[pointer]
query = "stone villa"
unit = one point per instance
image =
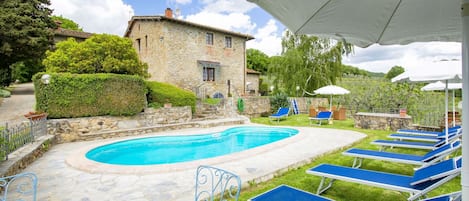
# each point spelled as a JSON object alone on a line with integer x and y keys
{"x": 206, "y": 60}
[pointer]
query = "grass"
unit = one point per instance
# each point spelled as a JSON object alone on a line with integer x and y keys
{"x": 343, "y": 190}
{"x": 212, "y": 101}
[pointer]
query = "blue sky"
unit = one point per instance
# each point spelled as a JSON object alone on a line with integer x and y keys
{"x": 111, "y": 16}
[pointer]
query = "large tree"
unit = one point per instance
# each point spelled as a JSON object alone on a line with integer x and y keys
{"x": 307, "y": 62}
{"x": 101, "y": 53}
{"x": 26, "y": 31}
{"x": 394, "y": 71}
{"x": 257, "y": 60}
{"x": 67, "y": 23}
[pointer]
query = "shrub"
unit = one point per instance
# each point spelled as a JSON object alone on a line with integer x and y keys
{"x": 161, "y": 93}
{"x": 4, "y": 93}
{"x": 80, "y": 95}
{"x": 101, "y": 53}
{"x": 279, "y": 100}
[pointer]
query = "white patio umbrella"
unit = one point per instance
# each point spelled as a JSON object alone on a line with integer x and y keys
{"x": 448, "y": 71}
{"x": 331, "y": 90}
{"x": 366, "y": 22}
{"x": 438, "y": 86}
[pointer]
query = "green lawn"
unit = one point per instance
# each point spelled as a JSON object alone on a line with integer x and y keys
{"x": 343, "y": 190}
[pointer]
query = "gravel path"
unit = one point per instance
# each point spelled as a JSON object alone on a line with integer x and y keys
{"x": 22, "y": 101}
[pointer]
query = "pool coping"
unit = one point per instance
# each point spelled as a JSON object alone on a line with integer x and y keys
{"x": 79, "y": 161}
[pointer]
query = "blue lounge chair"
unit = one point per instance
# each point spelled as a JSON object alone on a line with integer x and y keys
{"x": 415, "y": 145}
{"x": 425, "y": 138}
{"x": 424, "y": 179}
{"x": 456, "y": 196}
{"x": 281, "y": 113}
{"x": 321, "y": 116}
{"x": 427, "y": 133}
{"x": 430, "y": 158}
{"x": 284, "y": 192}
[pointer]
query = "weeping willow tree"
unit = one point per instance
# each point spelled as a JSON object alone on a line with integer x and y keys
{"x": 307, "y": 62}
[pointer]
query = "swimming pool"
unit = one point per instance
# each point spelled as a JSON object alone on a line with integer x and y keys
{"x": 175, "y": 149}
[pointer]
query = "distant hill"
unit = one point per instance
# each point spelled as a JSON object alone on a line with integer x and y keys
{"x": 376, "y": 74}
{"x": 354, "y": 71}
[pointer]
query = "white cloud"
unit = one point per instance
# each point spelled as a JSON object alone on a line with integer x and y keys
{"x": 227, "y": 6}
{"x": 267, "y": 40}
{"x": 104, "y": 16}
{"x": 183, "y": 2}
{"x": 382, "y": 58}
{"x": 238, "y": 22}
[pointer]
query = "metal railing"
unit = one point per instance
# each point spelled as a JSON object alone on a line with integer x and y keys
{"x": 13, "y": 137}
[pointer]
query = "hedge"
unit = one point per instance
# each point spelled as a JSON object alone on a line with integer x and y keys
{"x": 161, "y": 93}
{"x": 80, "y": 95}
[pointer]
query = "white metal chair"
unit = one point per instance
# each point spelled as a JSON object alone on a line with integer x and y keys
{"x": 19, "y": 187}
{"x": 212, "y": 183}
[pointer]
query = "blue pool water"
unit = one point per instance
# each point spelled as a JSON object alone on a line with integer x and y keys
{"x": 174, "y": 149}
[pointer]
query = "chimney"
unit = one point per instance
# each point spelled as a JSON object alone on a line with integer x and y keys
{"x": 58, "y": 23}
{"x": 168, "y": 13}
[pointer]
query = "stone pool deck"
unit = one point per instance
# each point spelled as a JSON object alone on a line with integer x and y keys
{"x": 64, "y": 175}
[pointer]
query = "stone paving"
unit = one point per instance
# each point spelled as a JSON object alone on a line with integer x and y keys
{"x": 21, "y": 102}
{"x": 61, "y": 178}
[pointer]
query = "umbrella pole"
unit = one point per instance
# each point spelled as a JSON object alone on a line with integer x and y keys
{"x": 454, "y": 110}
{"x": 330, "y": 104}
{"x": 465, "y": 98}
{"x": 446, "y": 111}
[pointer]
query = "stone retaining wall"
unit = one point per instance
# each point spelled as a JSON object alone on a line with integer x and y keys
{"x": 21, "y": 158}
{"x": 256, "y": 105}
{"x": 91, "y": 128}
{"x": 381, "y": 121}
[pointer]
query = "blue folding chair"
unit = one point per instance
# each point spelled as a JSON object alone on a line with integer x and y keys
{"x": 321, "y": 116}
{"x": 281, "y": 113}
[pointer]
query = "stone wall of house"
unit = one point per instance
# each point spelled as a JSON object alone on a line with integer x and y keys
{"x": 255, "y": 106}
{"x": 172, "y": 51}
{"x": 90, "y": 128}
{"x": 381, "y": 121}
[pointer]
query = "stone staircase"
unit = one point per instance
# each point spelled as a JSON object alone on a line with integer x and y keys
{"x": 206, "y": 112}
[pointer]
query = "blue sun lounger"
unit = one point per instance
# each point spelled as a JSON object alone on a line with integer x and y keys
{"x": 455, "y": 196}
{"x": 281, "y": 113}
{"x": 427, "y": 133}
{"x": 285, "y": 192}
{"x": 429, "y": 158}
{"x": 425, "y": 138}
{"x": 322, "y": 115}
{"x": 422, "y": 138}
{"x": 414, "y": 144}
{"x": 424, "y": 179}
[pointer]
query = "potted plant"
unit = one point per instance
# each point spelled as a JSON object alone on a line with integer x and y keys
{"x": 35, "y": 115}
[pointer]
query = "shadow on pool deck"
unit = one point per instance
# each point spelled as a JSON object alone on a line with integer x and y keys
{"x": 60, "y": 181}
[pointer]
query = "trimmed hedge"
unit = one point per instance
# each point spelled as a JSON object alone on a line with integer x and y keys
{"x": 80, "y": 95}
{"x": 161, "y": 93}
